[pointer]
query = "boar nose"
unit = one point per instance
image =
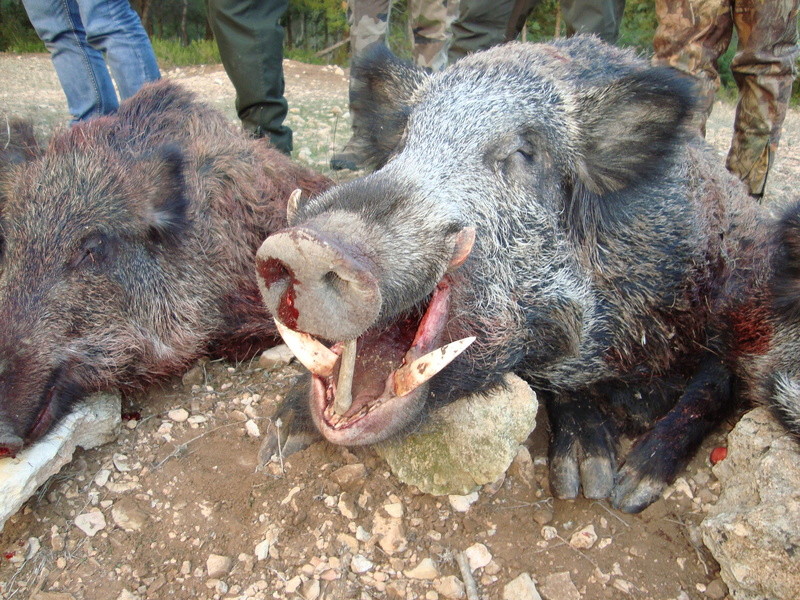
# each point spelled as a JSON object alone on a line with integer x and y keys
{"x": 318, "y": 284}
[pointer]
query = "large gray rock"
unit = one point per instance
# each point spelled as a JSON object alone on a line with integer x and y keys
{"x": 465, "y": 444}
{"x": 94, "y": 422}
{"x": 754, "y": 529}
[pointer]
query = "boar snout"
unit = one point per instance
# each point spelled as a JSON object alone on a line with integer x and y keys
{"x": 318, "y": 284}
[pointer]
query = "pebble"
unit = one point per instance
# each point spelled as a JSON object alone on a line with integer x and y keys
{"x": 262, "y": 550}
{"x": 127, "y": 516}
{"x": 252, "y": 429}
{"x": 559, "y": 586}
{"x": 179, "y": 415}
{"x": 478, "y": 556}
{"x": 121, "y": 462}
{"x": 33, "y": 547}
{"x": 449, "y": 587}
{"x": 583, "y": 539}
{"x": 462, "y": 503}
{"x": 394, "y": 510}
{"x": 101, "y": 479}
{"x": 426, "y": 569}
{"x": 350, "y": 476}
{"x": 360, "y": 564}
{"x": 391, "y": 534}
{"x": 218, "y": 566}
{"x": 549, "y": 532}
{"x": 293, "y": 584}
{"x": 90, "y": 523}
{"x": 310, "y": 590}
{"x": 716, "y": 590}
{"x": 521, "y": 588}
{"x": 275, "y": 357}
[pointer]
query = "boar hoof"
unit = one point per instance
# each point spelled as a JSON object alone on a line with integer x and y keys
{"x": 595, "y": 474}
{"x": 634, "y": 491}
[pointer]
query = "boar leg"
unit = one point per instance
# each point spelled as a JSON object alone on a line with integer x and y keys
{"x": 659, "y": 455}
{"x": 582, "y": 447}
{"x": 292, "y": 428}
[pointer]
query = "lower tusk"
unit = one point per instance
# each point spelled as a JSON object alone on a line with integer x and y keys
{"x": 313, "y": 355}
{"x": 344, "y": 385}
{"x": 411, "y": 376}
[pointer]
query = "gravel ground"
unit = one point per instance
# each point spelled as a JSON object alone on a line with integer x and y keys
{"x": 176, "y": 507}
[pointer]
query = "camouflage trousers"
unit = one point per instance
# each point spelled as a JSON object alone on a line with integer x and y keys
{"x": 429, "y": 25}
{"x": 693, "y": 34}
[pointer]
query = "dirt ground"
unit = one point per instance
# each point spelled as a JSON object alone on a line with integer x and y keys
{"x": 185, "y": 513}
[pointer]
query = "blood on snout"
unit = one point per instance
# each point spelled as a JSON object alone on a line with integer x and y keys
{"x": 273, "y": 271}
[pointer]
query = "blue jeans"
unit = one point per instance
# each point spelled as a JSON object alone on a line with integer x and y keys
{"x": 86, "y": 38}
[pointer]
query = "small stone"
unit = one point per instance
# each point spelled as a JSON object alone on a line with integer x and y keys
{"x": 61, "y": 562}
{"x": 218, "y": 566}
{"x": 360, "y": 564}
{"x": 350, "y": 476}
{"x": 310, "y": 590}
{"x": 549, "y": 533}
{"x": 262, "y": 550}
{"x": 179, "y": 415}
{"x": 121, "y": 462}
{"x": 521, "y": 588}
{"x": 462, "y": 503}
{"x": 559, "y": 586}
{"x": 34, "y": 545}
{"x": 293, "y": 584}
{"x": 394, "y": 510}
{"x": 90, "y": 523}
{"x": 127, "y": 516}
{"x": 391, "y": 534}
{"x": 275, "y": 357}
{"x": 127, "y": 595}
{"x": 426, "y": 569}
{"x": 102, "y": 477}
{"x": 194, "y": 376}
{"x": 478, "y": 556}
{"x": 450, "y": 587}
{"x": 522, "y": 468}
{"x": 347, "y": 506}
{"x": 252, "y": 429}
{"x": 584, "y": 538}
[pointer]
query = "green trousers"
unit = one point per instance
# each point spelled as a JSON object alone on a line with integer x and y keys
{"x": 250, "y": 40}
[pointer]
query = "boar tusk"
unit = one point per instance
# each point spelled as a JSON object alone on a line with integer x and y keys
{"x": 411, "y": 376}
{"x": 291, "y": 205}
{"x": 344, "y": 385}
{"x": 313, "y": 355}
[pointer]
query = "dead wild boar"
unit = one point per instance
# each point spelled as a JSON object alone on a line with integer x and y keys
{"x": 539, "y": 209}
{"x": 127, "y": 252}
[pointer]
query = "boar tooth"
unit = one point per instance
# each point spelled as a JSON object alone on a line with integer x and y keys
{"x": 313, "y": 355}
{"x": 344, "y": 385}
{"x": 291, "y": 206}
{"x": 411, "y": 376}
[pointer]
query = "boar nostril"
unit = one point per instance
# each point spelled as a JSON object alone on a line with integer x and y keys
{"x": 274, "y": 271}
{"x": 333, "y": 280}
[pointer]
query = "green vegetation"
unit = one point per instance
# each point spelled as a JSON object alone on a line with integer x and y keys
{"x": 315, "y": 30}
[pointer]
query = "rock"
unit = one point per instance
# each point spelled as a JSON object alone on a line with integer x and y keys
{"x": 559, "y": 586}
{"x": 466, "y": 444}
{"x": 218, "y": 566}
{"x": 252, "y": 429}
{"x": 521, "y": 588}
{"x": 584, "y": 538}
{"x": 391, "y": 534}
{"x": 360, "y": 564}
{"x": 33, "y": 547}
{"x": 275, "y": 357}
{"x": 127, "y": 595}
{"x": 350, "y": 476}
{"x": 752, "y": 530}
{"x": 52, "y": 596}
{"x": 127, "y": 516}
{"x": 522, "y": 467}
{"x": 90, "y": 523}
{"x": 310, "y": 590}
{"x": 94, "y": 422}
{"x": 450, "y": 587}
{"x": 478, "y": 556}
{"x": 462, "y": 503}
{"x": 717, "y": 590}
{"x": 395, "y": 509}
{"x": 179, "y": 415}
{"x": 426, "y": 569}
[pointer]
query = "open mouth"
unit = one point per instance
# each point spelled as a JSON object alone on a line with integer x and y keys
{"x": 366, "y": 389}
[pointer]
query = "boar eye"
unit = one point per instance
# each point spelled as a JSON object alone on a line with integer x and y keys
{"x": 92, "y": 252}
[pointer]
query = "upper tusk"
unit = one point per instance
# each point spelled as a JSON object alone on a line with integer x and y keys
{"x": 344, "y": 385}
{"x": 313, "y": 355}
{"x": 409, "y": 377}
{"x": 291, "y": 205}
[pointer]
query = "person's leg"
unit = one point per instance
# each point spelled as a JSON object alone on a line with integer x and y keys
{"x": 480, "y": 25}
{"x": 590, "y": 16}
{"x": 691, "y": 36}
{"x": 764, "y": 68}
{"x": 369, "y": 23}
{"x": 429, "y": 22}
{"x": 250, "y": 40}
{"x": 80, "y": 68}
{"x": 114, "y": 28}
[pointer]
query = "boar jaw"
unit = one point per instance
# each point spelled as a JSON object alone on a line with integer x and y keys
{"x": 389, "y": 378}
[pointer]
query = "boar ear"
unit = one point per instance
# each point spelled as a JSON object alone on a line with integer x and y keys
{"x": 629, "y": 130}
{"x": 164, "y": 190}
{"x": 382, "y": 94}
